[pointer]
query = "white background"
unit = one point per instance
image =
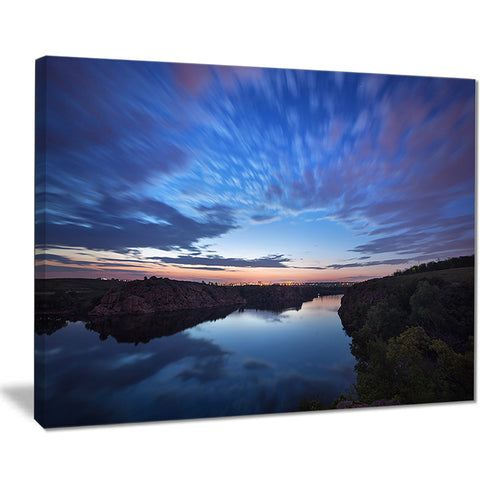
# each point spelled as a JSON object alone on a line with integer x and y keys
{"x": 408, "y": 37}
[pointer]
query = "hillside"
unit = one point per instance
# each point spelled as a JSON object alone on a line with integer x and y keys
{"x": 68, "y": 296}
{"x": 412, "y": 335}
{"x": 278, "y": 297}
{"x": 163, "y": 295}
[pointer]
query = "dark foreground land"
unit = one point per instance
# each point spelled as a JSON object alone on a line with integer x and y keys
{"x": 412, "y": 335}
{"x": 70, "y": 296}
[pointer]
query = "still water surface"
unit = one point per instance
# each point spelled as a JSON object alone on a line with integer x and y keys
{"x": 249, "y": 362}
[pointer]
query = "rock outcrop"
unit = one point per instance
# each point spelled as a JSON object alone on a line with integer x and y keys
{"x": 156, "y": 295}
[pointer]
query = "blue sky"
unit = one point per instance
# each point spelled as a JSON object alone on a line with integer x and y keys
{"x": 224, "y": 173}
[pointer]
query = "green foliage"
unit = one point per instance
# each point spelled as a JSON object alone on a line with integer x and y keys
{"x": 386, "y": 318}
{"x": 318, "y": 404}
{"x": 427, "y": 370}
{"x": 307, "y": 405}
{"x": 427, "y": 309}
{"x": 412, "y": 366}
{"x": 374, "y": 373}
{"x": 412, "y": 336}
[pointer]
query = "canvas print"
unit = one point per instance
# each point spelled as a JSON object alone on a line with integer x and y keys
{"x": 219, "y": 241}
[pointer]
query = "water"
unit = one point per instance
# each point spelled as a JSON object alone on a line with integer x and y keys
{"x": 250, "y": 362}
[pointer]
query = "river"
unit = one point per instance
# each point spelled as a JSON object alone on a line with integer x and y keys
{"x": 249, "y": 362}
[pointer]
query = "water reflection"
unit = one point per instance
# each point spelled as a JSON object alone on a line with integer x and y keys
{"x": 143, "y": 328}
{"x": 136, "y": 328}
{"x": 46, "y": 325}
{"x": 148, "y": 368}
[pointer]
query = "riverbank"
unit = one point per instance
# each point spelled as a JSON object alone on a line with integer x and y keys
{"x": 154, "y": 295}
{"x": 412, "y": 336}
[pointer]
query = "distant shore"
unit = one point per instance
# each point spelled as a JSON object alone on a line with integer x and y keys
{"x": 98, "y": 297}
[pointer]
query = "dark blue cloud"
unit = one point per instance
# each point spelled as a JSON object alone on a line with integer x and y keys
{"x": 271, "y": 261}
{"x": 256, "y": 364}
{"x": 393, "y": 261}
{"x": 214, "y": 269}
{"x": 119, "y": 223}
{"x": 123, "y": 366}
{"x": 101, "y": 114}
{"x": 56, "y": 258}
{"x": 204, "y": 371}
{"x": 263, "y": 218}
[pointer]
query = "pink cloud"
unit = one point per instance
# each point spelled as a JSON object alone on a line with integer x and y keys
{"x": 371, "y": 85}
{"x": 231, "y": 75}
{"x": 192, "y": 77}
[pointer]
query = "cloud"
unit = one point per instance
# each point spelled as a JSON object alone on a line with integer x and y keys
{"x": 116, "y": 366}
{"x": 312, "y": 268}
{"x": 119, "y": 223}
{"x": 271, "y": 261}
{"x": 218, "y": 269}
{"x": 217, "y": 212}
{"x": 339, "y": 78}
{"x": 118, "y": 127}
{"x": 41, "y": 257}
{"x": 101, "y": 130}
{"x": 263, "y": 218}
{"x": 193, "y": 78}
{"x": 204, "y": 371}
{"x": 407, "y": 177}
{"x": 448, "y": 242}
{"x": 393, "y": 261}
{"x": 255, "y": 364}
{"x": 370, "y": 85}
{"x": 233, "y": 76}
{"x": 144, "y": 154}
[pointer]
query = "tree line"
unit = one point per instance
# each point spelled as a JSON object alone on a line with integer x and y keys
{"x": 413, "y": 336}
{"x": 457, "y": 262}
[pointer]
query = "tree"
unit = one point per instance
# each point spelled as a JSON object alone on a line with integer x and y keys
{"x": 428, "y": 370}
{"x": 427, "y": 308}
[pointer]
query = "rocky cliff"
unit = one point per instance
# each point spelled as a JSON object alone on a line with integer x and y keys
{"x": 155, "y": 295}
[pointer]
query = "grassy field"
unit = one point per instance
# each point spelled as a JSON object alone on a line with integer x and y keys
{"x": 463, "y": 274}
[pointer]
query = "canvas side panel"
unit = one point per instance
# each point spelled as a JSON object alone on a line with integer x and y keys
{"x": 40, "y": 157}
{"x": 40, "y": 214}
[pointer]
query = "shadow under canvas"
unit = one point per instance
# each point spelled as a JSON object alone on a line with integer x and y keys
{"x": 21, "y": 396}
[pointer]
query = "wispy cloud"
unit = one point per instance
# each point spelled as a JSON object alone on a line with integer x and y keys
{"x": 169, "y": 156}
{"x": 271, "y": 261}
{"x": 393, "y": 261}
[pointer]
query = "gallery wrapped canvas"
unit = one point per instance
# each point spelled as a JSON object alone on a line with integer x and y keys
{"x": 222, "y": 240}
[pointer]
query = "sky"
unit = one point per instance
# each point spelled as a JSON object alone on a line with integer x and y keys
{"x": 245, "y": 174}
